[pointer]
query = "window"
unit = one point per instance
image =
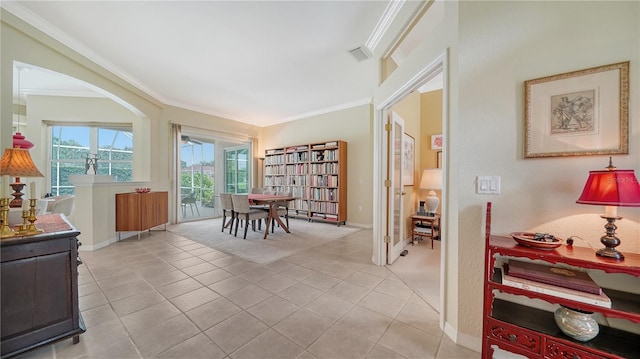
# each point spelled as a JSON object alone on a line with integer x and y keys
{"x": 236, "y": 167}
{"x": 71, "y": 145}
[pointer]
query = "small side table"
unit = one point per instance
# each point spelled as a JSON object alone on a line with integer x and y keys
{"x": 433, "y": 223}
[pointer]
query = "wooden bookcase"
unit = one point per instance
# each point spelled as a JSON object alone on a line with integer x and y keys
{"x": 141, "y": 211}
{"x": 316, "y": 173}
{"x": 521, "y": 327}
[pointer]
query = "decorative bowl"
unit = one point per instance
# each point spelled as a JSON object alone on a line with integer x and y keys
{"x": 143, "y": 190}
{"x": 534, "y": 240}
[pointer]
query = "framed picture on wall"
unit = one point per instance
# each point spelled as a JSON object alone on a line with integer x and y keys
{"x": 436, "y": 142}
{"x": 409, "y": 153}
{"x": 578, "y": 113}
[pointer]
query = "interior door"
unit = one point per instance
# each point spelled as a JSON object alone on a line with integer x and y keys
{"x": 395, "y": 222}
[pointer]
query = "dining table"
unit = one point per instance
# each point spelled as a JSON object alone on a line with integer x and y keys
{"x": 273, "y": 201}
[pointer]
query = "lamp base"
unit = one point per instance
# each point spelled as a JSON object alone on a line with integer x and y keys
{"x": 610, "y": 253}
{"x": 432, "y": 202}
{"x": 17, "y": 194}
{"x": 610, "y": 240}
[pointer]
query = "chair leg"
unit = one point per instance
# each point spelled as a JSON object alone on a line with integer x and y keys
{"x": 246, "y": 226}
{"x": 224, "y": 219}
{"x": 233, "y": 217}
{"x": 237, "y": 225}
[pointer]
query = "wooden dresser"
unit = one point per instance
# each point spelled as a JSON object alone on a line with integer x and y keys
{"x": 39, "y": 276}
{"x": 141, "y": 211}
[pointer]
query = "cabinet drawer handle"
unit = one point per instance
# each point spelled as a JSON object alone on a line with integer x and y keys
{"x": 513, "y": 338}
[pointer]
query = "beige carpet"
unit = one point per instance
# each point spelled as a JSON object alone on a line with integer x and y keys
{"x": 304, "y": 235}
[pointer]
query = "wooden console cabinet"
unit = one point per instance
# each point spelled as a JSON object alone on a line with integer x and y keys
{"x": 141, "y": 211}
{"x": 39, "y": 276}
{"x": 520, "y": 327}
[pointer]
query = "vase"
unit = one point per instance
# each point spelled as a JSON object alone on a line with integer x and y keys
{"x": 577, "y": 324}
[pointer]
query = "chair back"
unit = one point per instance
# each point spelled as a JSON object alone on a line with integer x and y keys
{"x": 63, "y": 206}
{"x": 257, "y": 190}
{"x": 286, "y": 203}
{"x": 240, "y": 203}
{"x": 226, "y": 201}
{"x": 268, "y": 192}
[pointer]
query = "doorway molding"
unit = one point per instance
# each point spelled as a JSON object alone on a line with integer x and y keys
{"x": 382, "y": 109}
{"x": 429, "y": 71}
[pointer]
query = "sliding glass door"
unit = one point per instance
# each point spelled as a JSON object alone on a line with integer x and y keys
{"x": 197, "y": 173}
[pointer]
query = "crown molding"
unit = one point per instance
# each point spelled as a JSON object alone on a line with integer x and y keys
{"x": 48, "y": 29}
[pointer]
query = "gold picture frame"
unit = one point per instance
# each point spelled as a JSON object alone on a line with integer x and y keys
{"x": 578, "y": 113}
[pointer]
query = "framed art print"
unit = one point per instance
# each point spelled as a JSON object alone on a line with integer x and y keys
{"x": 409, "y": 153}
{"x": 436, "y": 142}
{"x": 579, "y": 113}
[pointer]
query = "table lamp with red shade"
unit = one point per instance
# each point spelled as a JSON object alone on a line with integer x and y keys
{"x": 611, "y": 188}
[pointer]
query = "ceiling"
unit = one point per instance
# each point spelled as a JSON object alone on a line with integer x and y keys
{"x": 258, "y": 62}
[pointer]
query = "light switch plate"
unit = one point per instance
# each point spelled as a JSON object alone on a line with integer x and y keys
{"x": 488, "y": 185}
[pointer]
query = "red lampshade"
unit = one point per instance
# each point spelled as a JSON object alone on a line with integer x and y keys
{"x": 611, "y": 188}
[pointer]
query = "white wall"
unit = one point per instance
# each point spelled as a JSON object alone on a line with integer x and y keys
{"x": 351, "y": 125}
{"x": 502, "y": 44}
{"x": 494, "y": 46}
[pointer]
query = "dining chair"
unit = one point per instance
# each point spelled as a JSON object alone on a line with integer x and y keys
{"x": 227, "y": 208}
{"x": 190, "y": 201}
{"x": 283, "y": 208}
{"x": 257, "y": 190}
{"x": 244, "y": 212}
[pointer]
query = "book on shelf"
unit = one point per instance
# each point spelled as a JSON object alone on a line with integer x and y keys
{"x": 422, "y": 230}
{"x": 331, "y": 144}
{"x": 561, "y": 277}
{"x": 601, "y": 300}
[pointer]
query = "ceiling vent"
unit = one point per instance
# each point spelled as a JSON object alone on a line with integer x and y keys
{"x": 361, "y": 53}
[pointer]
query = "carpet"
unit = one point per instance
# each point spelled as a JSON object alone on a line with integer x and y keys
{"x": 278, "y": 245}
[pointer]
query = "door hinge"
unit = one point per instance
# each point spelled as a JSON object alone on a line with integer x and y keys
{"x": 387, "y": 183}
{"x": 387, "y": 127}
{"x": 387, "y": 239}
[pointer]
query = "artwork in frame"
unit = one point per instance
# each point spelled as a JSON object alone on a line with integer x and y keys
{"x": 578, "y": 113}
{"x": 436, "y": 142}
{"x": 409, "y": 153}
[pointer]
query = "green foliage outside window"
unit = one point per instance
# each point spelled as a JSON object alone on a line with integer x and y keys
{"x": 201, "y": 187}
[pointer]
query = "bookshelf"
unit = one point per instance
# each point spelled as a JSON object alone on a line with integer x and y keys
{"x": 316, "y": 173}
{"x": 514, "y": 320}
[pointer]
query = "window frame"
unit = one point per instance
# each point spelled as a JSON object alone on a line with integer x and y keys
{"x": 54, "y": 180}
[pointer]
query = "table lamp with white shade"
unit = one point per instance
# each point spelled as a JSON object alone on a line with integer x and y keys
{"x": 432, "y": 180}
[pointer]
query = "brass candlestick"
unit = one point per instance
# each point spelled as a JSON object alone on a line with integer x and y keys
{"x": 5, "y": 230}
{"x": 22, "y": 229}
{"x": 31, "y": 227}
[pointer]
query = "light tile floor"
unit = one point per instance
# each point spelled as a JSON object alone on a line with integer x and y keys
{"x": 166, "y": 296}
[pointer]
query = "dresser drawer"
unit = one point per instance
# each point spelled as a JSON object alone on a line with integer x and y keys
{"x": 555, "y": 349}
{"x": 515, "y": 336}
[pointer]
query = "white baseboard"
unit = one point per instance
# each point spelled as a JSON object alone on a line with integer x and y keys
{"x": 465, "y": 340}
{"x": 88, "y": 248}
